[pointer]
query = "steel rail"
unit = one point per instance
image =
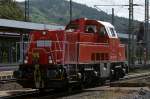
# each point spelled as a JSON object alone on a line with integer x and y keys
{"x": 129, "y": 78}
{"x": 21, "y": 94}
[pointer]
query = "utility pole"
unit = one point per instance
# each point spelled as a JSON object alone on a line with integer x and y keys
{"x": 27, "y": 12}
{"x": 70, "y": 10}
{"x": 26, "y": 18}
{"x": 130, "y": 28}
{"x": 146, "y": 34}
{"x": 131, "y": 5}
{"x": 112, "y": 16}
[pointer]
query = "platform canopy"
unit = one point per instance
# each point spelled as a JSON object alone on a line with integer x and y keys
{"x": 17, "y": 26}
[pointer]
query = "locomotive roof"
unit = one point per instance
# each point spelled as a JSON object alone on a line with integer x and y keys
{"x": 13, "y": 24}
{"x": 106, "y": 24}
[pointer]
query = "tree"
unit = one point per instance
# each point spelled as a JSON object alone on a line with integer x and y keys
{"x": 9, "y": 9}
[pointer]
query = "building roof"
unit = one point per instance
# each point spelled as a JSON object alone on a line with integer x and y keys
{"x": 123, "y": 35}
{"x": 4, "y": 23}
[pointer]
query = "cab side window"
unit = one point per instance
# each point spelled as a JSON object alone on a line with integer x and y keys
{"x": 90, "y": 29}
{"x": 102, "y": 31}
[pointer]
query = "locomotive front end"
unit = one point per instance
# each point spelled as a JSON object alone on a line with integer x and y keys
{"x": 43, "y": 55}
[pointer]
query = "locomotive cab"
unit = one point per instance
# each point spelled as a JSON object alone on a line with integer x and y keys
{"x": 99, "y": 48}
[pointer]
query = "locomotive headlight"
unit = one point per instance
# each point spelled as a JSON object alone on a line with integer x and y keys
{"x": 44, "y": 32}
{"x": 26, "y": 60}
{"x": 49, "y": 59}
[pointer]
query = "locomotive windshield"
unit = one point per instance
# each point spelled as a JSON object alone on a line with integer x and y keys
{"x": 43, "y": 43}
{"x": 112, "y": 32}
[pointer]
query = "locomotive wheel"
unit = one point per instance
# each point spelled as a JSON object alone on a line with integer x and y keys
{"x": 39, "y": 83}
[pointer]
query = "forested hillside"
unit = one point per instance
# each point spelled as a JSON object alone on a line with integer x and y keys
{"x": 57, "y": 11}
{"x": 9, "y": 9}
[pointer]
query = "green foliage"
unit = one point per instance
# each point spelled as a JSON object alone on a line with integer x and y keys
{"x": 57, "y": 11}
{"x": 10, "y": 10}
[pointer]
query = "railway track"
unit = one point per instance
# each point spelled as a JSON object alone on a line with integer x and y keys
{"x": 55, "y": 94}
{"x": 36, "y": 94}
{"x": 17, "y": 94}
{"x": 135, "y": 76}
{"x": 138, "y": 80}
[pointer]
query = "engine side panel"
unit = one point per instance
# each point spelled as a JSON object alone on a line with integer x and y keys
{"x": 90, "y": 52}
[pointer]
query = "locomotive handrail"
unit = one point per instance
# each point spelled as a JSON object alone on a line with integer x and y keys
{"x": 93, "y": 43}
{"x": 34, "y": 42}
{"x": 55, "y": 50}
{"x": 49, "y": 52}
{"x": 68, "y": 42}
{"x": 58, "y": 42}
{"x": 96, "y": 45}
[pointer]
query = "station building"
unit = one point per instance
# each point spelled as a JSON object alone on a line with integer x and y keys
{"x": 8, "y": 47}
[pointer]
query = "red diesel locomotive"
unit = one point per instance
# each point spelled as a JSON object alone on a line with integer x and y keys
{"x": 87, "y": 52}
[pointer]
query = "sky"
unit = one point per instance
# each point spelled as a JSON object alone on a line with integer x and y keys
{"x": 119, "y": 11}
